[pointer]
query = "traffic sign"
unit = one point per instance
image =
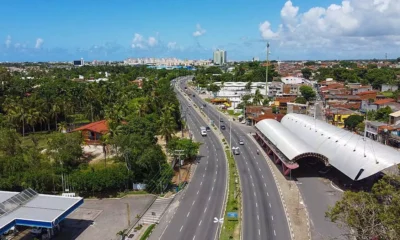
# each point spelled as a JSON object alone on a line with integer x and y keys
{"x": 232, "y": 214}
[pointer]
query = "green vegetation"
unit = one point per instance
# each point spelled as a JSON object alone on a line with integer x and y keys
{"x": 35, "y": 111}
{"x": 307, "y": 92}
{"x": 243, "y": 72}
{"x": 353, "y": 121}
{"x": 148, "y": 231}
{"x": 300, "y": 100}
{"x": 231, "y": 227}
{"x": 381, "y": 115}
{"x": 370, "y": 215}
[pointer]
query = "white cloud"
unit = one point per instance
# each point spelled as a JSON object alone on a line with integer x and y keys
{"x": 39, "y": 43}
{"x": 353, "y": 25}
{"x": 199, "y": 31}
{"x": 139, "y": 42}
{"x": 152, "y": 41}
{"x": 8, "y": 41}
{"x": 266, "y": 32}
{"x": 171, "y": 45}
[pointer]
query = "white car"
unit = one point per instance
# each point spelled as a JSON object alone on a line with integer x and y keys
{"x": 235, "y": 150}
{"x": 241, "y": 142}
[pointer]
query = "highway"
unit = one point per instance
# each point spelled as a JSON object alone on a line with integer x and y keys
{"x": 263, "y": 212}
{"x": 204, "y": 197}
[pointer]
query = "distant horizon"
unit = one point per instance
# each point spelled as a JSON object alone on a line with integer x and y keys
{"x": 295, "y": 29}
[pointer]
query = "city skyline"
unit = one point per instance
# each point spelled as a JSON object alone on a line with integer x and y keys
{"x": 297, "y": 30}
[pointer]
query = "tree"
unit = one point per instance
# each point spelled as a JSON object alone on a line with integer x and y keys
{"x": 382, "y": 114}
{"x": 300, "y": 100}
{"x": 307, "y": 92}
{"x": 352, "y": 121}
{"x": 190, "y": 148}
{"x": 370, "y": 215}
{"x": 306, "y": 73}
{"x": 167, "y": 124}
{"x": 257, "y": 98}
{"x": 65, "y": 150}
{"x": 213, "y": 88}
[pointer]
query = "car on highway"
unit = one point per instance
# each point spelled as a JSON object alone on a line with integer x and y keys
{"x": 241, "y": 142}
{"x": 222, "y": 127}
{"x": 194, "y": 95}
{"x": 208, "y": 128}
{"x": 235, "y": 150}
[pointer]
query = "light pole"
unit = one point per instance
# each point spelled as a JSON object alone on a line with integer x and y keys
{"x": 179, "y": 153}
{"x": 230, "y": 136}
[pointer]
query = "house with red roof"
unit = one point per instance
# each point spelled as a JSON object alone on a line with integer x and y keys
{"x": 93, "y": 132}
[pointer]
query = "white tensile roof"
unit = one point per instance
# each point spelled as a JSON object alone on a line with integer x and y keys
{"x": 346, "y": 151}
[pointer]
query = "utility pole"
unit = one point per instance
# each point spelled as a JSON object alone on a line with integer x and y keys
{"x": 179, "y": 153}
{"x": 230, "y": 136}
{"x": 266, "y": 70}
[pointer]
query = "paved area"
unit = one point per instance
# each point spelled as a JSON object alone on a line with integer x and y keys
{"x": 102, "y": 219}
{"x": 156, "y": 210}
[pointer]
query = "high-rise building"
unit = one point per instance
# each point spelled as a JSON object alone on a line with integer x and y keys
{"x": 219, "y": 57}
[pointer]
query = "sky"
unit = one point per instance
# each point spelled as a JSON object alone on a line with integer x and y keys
{"x": 43, "y": 30}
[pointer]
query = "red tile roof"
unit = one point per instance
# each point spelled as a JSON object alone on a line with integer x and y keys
{"x": 367, "y": 92}
{"x": 97, "y": 127}
{"x": 383, "y": 101}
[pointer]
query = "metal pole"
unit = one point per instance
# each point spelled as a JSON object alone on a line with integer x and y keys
{"x": 266, "y": 71}
{"x": 230, "y": 136}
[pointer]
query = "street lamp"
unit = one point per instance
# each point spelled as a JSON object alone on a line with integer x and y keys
{"x": 230, "y": 135}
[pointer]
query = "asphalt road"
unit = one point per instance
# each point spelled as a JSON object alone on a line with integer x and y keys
{"x": 204, "y": 196}
{"x": 263, "y": 213}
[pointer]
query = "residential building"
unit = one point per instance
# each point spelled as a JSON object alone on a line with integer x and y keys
{"x": 93, "y": 132}
{"x": 296, "y": 108}
{"x": 282, "y": 103}
{"x": 234, "y": 91}
{"x": 79, "y": 63}
{"x": 387, "y": 87}
{"x": 219, "y": 57}
{"x": 274, "y": 89}
{"x": 394, "y": 118}
{"x": 293, "y": 80}
{"x": 291, "y": 89}
{"x": 336, "y": 116}
{"x": 356, "y": 88}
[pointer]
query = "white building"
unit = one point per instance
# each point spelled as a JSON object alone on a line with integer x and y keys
{"x": 387, "y": 87}
{"x": 292, "y": 80}
{"x": 235, "y": 90}
{"x": 219, "y": 57}
{"x": 274, "y": 89}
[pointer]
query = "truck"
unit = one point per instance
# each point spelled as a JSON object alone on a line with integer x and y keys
{"x": 203, "y": 131}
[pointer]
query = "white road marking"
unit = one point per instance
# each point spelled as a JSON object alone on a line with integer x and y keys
{"x": 201, "y": 183}
{"x": 215, "y": 179}
{"x": 212, "y": 189}
{"x": 194, "y": 237}
{"x": 265, "y": 184}
{"x": 248, "y": 169}
{"x": 181, "y": 229}
{"x": 258, "y": 217}
{"x": 188, "y": 214}
{"x": 259, "y": 232}
{"x": 274, "y": 232}
{"x": 193, "y": 203}
{"x": 259, "y": 169}
{"x": 270, "y": 205}
{"x": 205, "y": 209}
{"x": 272, "y": 217}
{"x": 252, "y": 184}
{"x": 267, "y": 194}
{"x": 197, "y": 192}
{"x": 262, "y": 176}
{"x": 256, "y": 205}
{"x": 200, "y": 222}
{"x": 209, "y": 198}
{"x": 254, "y": 194}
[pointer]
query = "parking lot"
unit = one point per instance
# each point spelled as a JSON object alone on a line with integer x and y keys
{"x": 102, "y": 219}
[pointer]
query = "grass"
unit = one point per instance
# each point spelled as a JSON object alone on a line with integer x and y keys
{"x": 126, "y": 193}
{"x": 42, "y": 138}
{"x": 148, "y": 231}
{"x": 387, "y": 94}
{"x": 231, "y": 227}
{"x": 232, "y": 113}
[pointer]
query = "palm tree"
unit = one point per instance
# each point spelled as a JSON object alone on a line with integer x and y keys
{"x": 16, "y": 112}
{"x": 62, "y": 127}
{"x": 167, "y": 123}
{"x": 33, "y": 117}
{"x": 257, "y": 98}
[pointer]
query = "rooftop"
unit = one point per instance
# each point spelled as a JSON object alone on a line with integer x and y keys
{"x": 98, "y": 127}
{"x": 383, "y": 101}
{"x": 34, "y": 210}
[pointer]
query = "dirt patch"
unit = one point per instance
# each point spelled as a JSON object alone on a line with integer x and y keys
{"x": 184, "y": 174}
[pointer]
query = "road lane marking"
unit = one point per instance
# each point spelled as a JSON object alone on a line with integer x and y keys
{"x": 205, "y": 209}
{"x": 248, "y": 169}
{"x": 267, "y": 194}
{"x": 252, "y": 184}
{"x": 272, "y": 217}
{"x": 188, "y": 214}
{"x": 193, "y": 203}
{"x": 265, "y": 184}
{"x": 200, "y": 222}
{"x": 274, "y": 232}
{"x": 215, "y": 179}
{"x": 254, "y": 194}
{"x": 201, "y": 183}
{"x": 204, "y": 174}
{"x": 181, "y": 229}
{"x": 270, "y": 205}
{"x": 197, "y": 192}
{"x": 262, "y": 176}
{"x": 256, "y": 205}
{"x": 194, "y": 237}
{"x": 209, "y": 198}
{"x": 259, "y": 169}
{"x": 258, "y": 217}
